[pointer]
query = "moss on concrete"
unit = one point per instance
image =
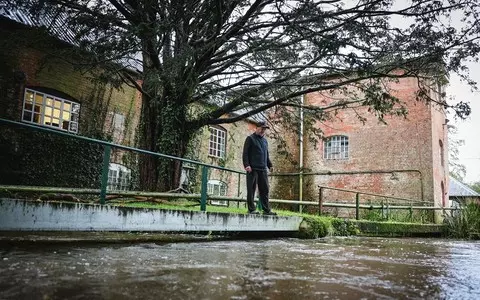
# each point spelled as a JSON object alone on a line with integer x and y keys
{"x": 371, "y": 228}
{"x": 312, "y": 228}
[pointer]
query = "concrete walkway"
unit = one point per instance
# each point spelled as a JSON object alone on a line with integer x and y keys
{"x": 25, "y": 215}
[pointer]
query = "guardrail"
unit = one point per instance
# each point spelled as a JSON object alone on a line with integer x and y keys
{"x": 203, "y": 195}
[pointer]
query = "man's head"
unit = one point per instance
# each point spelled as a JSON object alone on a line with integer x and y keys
{"x": 261, "y": 128}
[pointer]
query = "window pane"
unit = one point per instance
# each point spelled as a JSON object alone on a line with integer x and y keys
{"x": 27, "y": 116}
{"x": 47, "y": 120}
{"x": 36, "y": 118}
{"x": 66, "y": 106}
{"x": 38, "y": 108}
{"x": 73, "y": 127}
{"x": 75, "y": 117}
{"x": 48, "y": 111}
{"x": 57, "y": 104}
{"x": 56, "y": 113}
{"x": 49, "y": 101}
{"x": 55, "y": 122}
{"x": 75, "y": 108}
{"x": 29, "y": 97}
{"x": 39, "y": 99}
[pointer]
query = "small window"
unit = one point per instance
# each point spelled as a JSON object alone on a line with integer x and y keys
{"x": 217, "y": 188}
{"x": 118, "y": 126}
{"x": 216, "y": 146}
{"x": 336, "y": 147}
{"x": 50, "y": 111}
{"x": 119, "y": 177}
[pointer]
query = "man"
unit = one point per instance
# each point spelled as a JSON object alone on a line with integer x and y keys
{"x": 256, "y": 161}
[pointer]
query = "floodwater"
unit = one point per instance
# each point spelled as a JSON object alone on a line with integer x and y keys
{"x": 331, "y": 268}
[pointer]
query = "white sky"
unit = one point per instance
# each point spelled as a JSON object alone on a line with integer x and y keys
{"x": 468, "y": 130}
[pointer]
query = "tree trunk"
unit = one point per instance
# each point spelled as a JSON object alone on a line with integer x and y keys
{"x": 163, "y": 130}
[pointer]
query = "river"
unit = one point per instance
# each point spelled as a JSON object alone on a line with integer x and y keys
{"x": 330, "y": 268}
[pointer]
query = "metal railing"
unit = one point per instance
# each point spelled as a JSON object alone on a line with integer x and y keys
{"x": 106, "y": 161}
{"x": 203, "y": 195}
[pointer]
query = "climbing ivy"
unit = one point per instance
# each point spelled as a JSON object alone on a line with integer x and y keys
{"x": 37, "y": 158}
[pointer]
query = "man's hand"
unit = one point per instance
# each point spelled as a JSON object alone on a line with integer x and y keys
{"x": 248, "y": 169}
{"x": 271, "y": 169}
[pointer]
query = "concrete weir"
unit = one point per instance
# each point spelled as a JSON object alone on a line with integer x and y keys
{"x": 24, "y": 215}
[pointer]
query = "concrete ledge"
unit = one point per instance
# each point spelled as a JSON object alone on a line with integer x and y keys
{"x": 24, "y": 215}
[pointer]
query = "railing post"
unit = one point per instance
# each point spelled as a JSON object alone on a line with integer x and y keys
{"x": 104, "y": 180}
{"x": 357, "y": 206}
{"x": 388, "y": 212}
{"x": 411, "y": 213}
{"x": 238, "y": 189}
{"x": 203, "y": 199}
{"x": 320, "y": 201}
{"x": 383, "y": 210}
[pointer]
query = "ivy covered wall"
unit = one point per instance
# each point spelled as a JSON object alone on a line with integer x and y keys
{"x": 29, "y": 157}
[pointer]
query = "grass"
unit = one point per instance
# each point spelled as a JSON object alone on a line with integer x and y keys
{"x": 314, "y": 226}
{"x": 464, "y": 223}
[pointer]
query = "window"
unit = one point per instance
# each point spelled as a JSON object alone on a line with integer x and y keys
{"x": 217, "y": 188}
{"x": 336, "y": 147}
{"x": 216, "y": 147}
{"x": 119, "y": 177}
{"x": 118, "y": 126}
{"x": 50, "y": 111}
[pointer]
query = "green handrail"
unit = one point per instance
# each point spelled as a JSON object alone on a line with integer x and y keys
{"x": 106, "y": 157}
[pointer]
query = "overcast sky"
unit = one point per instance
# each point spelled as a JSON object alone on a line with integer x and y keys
{"x": 469, "y": 129}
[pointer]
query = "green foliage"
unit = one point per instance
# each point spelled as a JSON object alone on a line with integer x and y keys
{"x": 344, "y": 227}
{"x": 464, "y": 223}
{"x": 475, "y": 186}
{"x": 312, "y": 228}
{"x": 396, "y": 215}
{"x": 28, "y": 157}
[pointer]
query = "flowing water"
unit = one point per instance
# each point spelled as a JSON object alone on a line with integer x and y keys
{"x": 331, "y": 268}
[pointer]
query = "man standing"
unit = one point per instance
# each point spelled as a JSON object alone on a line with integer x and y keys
{"x": 256, "y": 161}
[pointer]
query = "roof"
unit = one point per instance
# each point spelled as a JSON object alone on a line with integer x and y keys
{"x": 460, "y": 189}
{"x": 56, "y": 24}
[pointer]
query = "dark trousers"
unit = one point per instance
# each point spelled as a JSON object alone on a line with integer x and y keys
{"x": 260, "y": 178}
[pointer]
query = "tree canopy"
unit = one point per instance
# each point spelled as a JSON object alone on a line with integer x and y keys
{"x": 242, "y": 57}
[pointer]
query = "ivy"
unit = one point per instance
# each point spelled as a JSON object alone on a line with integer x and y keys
{"x": 44, "y": 159}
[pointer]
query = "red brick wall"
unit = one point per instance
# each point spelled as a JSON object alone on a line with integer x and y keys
{"x": 401, "y": 145}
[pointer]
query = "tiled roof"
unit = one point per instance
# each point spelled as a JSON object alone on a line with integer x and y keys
{"x": 57, "y": 25}
{"x": 459, "y": 189}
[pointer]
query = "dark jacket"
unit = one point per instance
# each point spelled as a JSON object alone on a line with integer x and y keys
{"x": 255, "y": 153}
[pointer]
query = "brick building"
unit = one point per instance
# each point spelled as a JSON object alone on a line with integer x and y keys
{"x": 39, "y": 88}
{"x": 403, "y": 158}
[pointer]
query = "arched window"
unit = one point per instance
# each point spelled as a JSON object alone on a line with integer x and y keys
{"x": 336, "y": 147}
{"x": 217, "y": 144}
{"x": 51, "y": 111}
{"x": 217, "y": 188}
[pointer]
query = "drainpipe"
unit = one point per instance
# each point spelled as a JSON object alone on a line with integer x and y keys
{"x": 300, "y": 180}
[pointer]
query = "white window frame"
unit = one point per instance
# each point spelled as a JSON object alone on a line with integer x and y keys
{"x": 217, "y": 142}
{"x": 217, "y": 188}
{"x": 119, "y": 177}
{"x": 336, "y": 147}
{"x": 50, "y": 111}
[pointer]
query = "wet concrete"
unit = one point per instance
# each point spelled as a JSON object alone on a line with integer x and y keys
{"x": 331, "y": 268}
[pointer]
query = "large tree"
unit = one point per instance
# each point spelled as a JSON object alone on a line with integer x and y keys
{"x": 238, "y": 58}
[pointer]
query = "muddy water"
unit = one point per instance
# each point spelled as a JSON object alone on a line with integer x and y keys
{"x": 332, "y": 268}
